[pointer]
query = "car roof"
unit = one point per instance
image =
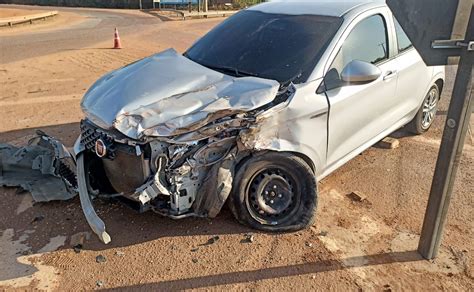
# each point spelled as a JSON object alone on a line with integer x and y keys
{"x": 336, "y": 8}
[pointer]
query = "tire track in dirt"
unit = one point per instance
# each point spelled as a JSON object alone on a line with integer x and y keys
{"x": 42, "y": 99}
{"x": 101, "y": 61}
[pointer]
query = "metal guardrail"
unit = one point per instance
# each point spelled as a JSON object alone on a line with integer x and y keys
{"x": 26, "y": 18}
{"x": 186, "y": 15}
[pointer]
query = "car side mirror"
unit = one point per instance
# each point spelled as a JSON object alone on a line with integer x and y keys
{"x": 360, "y": 72}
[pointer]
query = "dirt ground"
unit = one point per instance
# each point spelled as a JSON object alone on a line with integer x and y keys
{"x": 353, "y": 246}
{"x": 59, "y": 20}
{"x": 9, "y": 12}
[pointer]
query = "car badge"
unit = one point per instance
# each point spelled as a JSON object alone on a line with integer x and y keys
{"x": 100, "y": 148}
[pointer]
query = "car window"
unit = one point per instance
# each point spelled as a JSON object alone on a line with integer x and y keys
{"x": 368, "y": 42}
{"x": 404, "y": 42}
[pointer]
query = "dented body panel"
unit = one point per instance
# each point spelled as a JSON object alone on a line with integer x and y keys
{"x": 167, "y": 94}
{"x": 299, "y": 126}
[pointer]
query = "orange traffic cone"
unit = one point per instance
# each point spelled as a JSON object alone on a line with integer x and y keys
{"x": 117, "y": 44}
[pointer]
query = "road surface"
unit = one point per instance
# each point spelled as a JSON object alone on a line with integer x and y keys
{"x": 95, "y": 25}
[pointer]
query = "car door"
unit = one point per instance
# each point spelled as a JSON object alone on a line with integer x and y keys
{"x": 359, "y": 113}
{"x": 414, "y": 76}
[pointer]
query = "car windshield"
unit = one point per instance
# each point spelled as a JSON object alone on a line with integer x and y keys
{"x": 281, "y": 47}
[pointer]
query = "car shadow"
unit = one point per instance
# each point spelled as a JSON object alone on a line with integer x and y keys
{"x": 45, "y": 222}
{"x": 277, "y": 272}
{"x": 401, "y": 133}
{"x": 67, "y": 133}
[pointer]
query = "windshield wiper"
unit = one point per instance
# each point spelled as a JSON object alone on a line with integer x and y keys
{"x": 230, "y": 70}
{"x": 288, "y": 82}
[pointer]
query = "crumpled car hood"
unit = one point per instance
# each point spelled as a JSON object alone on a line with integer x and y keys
{"x": 167, "y": 94}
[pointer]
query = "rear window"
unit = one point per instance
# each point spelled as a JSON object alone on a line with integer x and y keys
{"x": 273, "y": 46}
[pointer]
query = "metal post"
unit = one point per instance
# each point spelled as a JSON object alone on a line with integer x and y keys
{"x": 140, "y": 4}
{"x": 457, "y": 123}
{"x": 205, "y": 5}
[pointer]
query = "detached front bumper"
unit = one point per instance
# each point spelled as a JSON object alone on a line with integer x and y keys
{"x": 96, "y": 224}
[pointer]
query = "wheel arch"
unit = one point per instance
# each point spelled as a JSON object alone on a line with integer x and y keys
{"x": 304, "y": 156}
{"x": 440, "y": 83}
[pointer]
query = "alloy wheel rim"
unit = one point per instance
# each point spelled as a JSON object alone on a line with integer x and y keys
{"x": 430, "y": 107}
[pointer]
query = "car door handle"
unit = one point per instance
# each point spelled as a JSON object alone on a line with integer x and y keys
{"x": 390, "y": 74}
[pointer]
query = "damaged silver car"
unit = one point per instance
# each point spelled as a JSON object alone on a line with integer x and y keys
{"x": 270, "y": 101}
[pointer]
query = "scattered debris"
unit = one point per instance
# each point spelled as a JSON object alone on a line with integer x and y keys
{"x": 323, "y": 233}
{"x": 212, "y": 240}
{"x": 44, "y": 167}
{"x": 195, "y": 260}
{"x": 195, "y": 249}
{"x": 100, "y": 259}
{"x": 99, "y": 283}
{"x": 309, "y": 244}
{"x": 249, "y": 238}
{"x": 26, "y": 252}
{"x": 37, "y": 219}
{"x": 77, "y": 248}
{"x": 119, "y": 253}
{"x": 79, "y": 238}
{"x": 389, "y": 143}
{"x": 357, "y": 196}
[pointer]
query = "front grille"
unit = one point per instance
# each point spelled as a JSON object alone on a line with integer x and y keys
{"x": 89, "y": 135}
{"x": 124, "y": 169}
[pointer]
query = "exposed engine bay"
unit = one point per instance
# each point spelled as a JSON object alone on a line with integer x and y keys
{"x": 181, "y": 176}
{"x": 164, "y": 176}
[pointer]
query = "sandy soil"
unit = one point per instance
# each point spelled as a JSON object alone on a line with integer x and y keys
{"x": 63, "y": 18}
{"x": 352, "y": 246}
{"x": 9, "y": 12}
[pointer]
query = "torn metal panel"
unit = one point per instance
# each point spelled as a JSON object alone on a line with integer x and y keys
{"x": 291, "y": 126}
{"x": 167, "y": 94}
{"x": 216, "y": 186}
{"x": 44, "y": 167}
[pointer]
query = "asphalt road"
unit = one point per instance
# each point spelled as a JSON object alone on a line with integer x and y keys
{"x": 98, "y": 26}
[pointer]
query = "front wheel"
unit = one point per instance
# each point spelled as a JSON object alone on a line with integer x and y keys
{"x": 274, "y": 192}
{"x": 427, "y": 112}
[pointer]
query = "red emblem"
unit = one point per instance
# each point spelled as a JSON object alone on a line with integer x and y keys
{"x": 100, "y": 148}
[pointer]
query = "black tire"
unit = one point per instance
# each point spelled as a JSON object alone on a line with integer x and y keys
{"x": 280, "y": 185}
{"x": 418, "y": 125}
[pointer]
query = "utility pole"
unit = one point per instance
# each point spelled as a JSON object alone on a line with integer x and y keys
{"x": 205, "y": 5}
{"x": 442, "y": 34}
{"x": 457, "y": 123}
